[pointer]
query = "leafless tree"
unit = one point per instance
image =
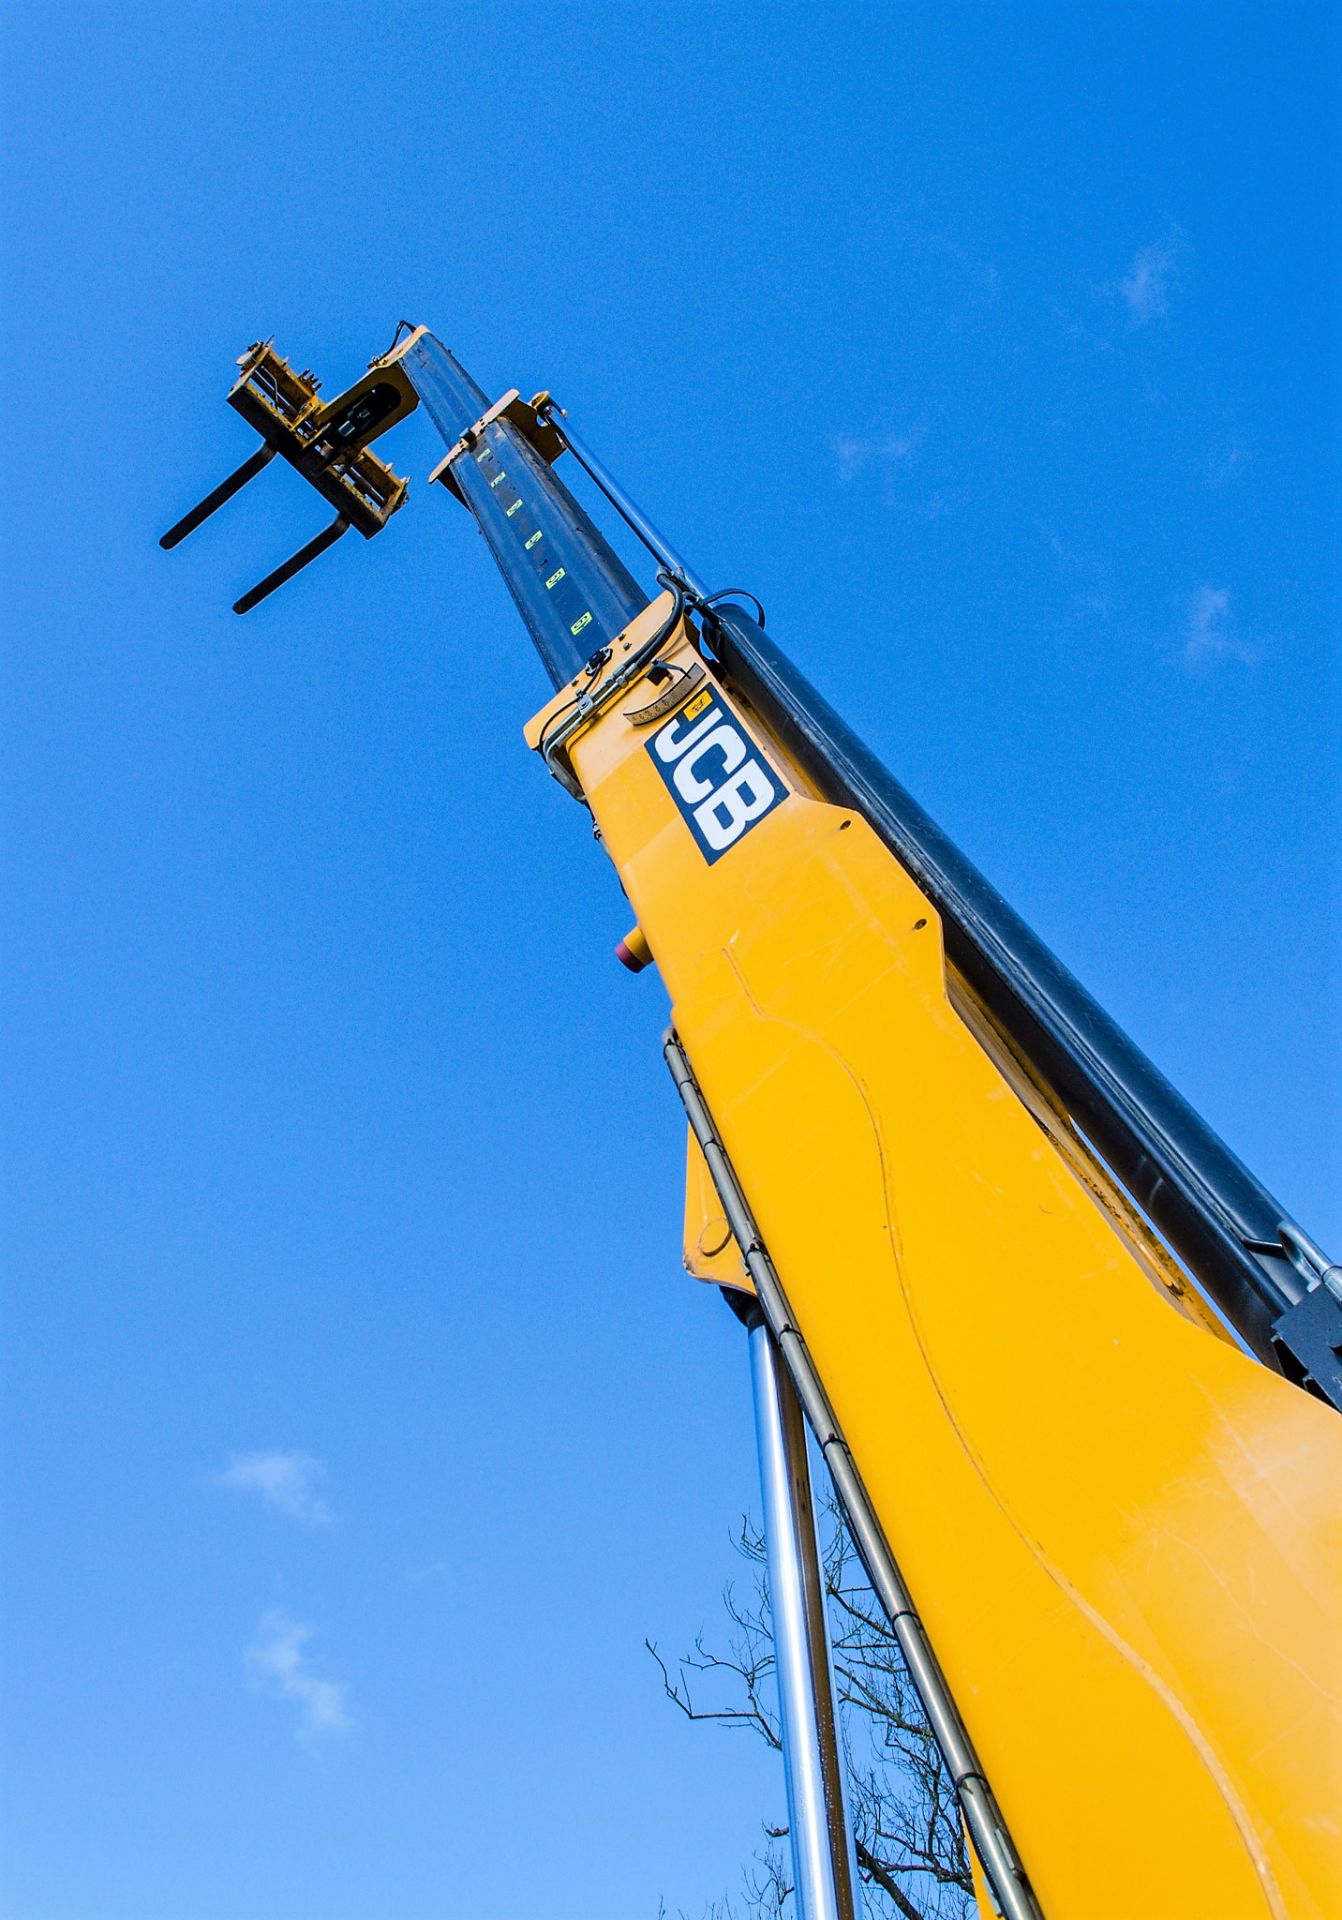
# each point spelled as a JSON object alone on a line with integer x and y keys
{"x": 910, "y": 1845}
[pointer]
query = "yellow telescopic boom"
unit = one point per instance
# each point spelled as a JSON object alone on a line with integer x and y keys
{"x": 1121, "y": 1532}
{"x": 1075, "y": 1378}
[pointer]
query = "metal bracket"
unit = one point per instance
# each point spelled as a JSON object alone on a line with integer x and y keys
{"x": 675, "y": 696}
{"x": 577, "y": 706}
{"x": 519, "y": 413}
{"x": 1308, "y": 1336}
{"x": 1308, "y": 1340}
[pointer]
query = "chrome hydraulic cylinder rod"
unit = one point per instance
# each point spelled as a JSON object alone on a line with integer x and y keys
{"x": 996, "y": 1852}
{"x": 600, "y": 475}
{"x": 824, "y": 1869}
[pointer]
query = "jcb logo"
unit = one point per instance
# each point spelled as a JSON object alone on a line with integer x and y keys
{"x": 715, "y": 773}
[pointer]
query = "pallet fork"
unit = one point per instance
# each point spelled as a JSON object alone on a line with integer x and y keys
{"x": 327, "y": 444}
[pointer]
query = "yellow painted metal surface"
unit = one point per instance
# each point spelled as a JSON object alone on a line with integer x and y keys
{"x": 1122, "y": 1534}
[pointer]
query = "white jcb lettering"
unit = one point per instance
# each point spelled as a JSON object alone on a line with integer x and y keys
{"x": 668, "y": 746}
{"x": 717, "y": 776}
{"x": 724, "y": 740}
{"x": 725, "y": 817}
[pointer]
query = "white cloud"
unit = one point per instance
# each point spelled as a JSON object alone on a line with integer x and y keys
{"x": 1086, "y": 578}
{"x": 1145, "y": 287}
{"x": 285, "y": 1481}
{"x": 276, "y": 1663}
{"x": 1209, "y": 635}
{"x": 1226, "y": 464}
{"x": 882, "y": 452}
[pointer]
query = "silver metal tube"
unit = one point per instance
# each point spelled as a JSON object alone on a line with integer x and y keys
{"x": 659, "y": 547}
{"x": 997, "y": 1854}
{"x": 1319, "y": 1269}
{"x": 824, "y": 1871}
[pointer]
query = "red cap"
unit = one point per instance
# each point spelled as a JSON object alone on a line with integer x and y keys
{"x": 633, "y": 951}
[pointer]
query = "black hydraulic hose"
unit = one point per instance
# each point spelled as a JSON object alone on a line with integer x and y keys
{"x": 1219, "y": 1220}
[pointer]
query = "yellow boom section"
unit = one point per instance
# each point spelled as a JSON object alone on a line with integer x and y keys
{"x": 1122, "y": 1534}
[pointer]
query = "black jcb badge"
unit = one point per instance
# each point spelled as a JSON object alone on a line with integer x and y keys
{"x": 715, "y": 773}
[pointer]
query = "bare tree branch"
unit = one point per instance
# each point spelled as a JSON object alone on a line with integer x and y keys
{"x": 909, "y": 1842}
{"x": 877, "y": 1873}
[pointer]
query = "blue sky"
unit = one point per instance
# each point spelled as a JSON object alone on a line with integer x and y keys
{"x": 360, "y": 1423}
